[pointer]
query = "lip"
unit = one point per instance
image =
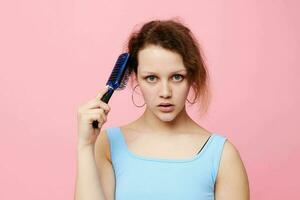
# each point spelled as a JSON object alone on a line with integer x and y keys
{"x": 166, "y": 109}
{"x": 162, "y": 104}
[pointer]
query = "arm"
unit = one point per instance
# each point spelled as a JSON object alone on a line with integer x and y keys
{"x": 87, "y": 179}
{"x": 104, "y": 165}
{"x": 232, "y": 181}
{"x": 88, "y": 185}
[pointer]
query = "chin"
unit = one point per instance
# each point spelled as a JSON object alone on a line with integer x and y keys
{"x": 167, "y": 117}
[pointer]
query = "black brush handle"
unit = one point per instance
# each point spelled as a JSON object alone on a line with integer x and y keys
{"x": 105, "y": 98}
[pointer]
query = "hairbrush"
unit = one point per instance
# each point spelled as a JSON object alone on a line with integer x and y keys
{"x": 117, "y": 79}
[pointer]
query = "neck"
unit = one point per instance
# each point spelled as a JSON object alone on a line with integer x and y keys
{"x": 155, "y": 125}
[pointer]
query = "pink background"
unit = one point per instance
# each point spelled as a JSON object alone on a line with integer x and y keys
{"x": 55, "y": 55}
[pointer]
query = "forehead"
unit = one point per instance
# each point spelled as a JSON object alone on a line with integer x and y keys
{"x": 159, "y": 60}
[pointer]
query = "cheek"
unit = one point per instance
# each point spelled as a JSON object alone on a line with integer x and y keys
{"x": 182, "y": 95}
{"x": 183, "y": 90}
{"x": 148, "y": 93}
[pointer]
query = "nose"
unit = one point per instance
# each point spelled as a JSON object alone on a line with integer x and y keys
{"x": 165, "y": 90}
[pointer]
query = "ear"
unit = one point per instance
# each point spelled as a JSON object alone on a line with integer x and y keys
{"x": 133, "y": 80}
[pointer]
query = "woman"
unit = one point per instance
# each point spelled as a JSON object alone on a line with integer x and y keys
{"x": 163, "y": 154}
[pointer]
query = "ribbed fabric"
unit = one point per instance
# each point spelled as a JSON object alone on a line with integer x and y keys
{"x": 145, "y": 178}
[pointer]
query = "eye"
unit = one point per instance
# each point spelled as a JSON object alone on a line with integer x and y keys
{"x": 178, "y": 75}
{"x": 147, "y": 77}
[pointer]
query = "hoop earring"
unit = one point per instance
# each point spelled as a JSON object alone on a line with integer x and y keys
{"x": 133, "y": 100}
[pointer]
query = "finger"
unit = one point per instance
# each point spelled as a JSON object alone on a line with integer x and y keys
{"x": 98, "y": 111}
{"x": 102, "y": 92}
{"x": 101, "y": 118}
{"x": 98, "y": 104}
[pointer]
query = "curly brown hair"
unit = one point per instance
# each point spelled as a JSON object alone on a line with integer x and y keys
{"x": 173, "y": 35}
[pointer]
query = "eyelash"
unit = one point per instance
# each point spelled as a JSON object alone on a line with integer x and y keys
{"x": 182, "y": 77}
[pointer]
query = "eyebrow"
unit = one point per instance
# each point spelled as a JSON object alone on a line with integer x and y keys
{"x": 146, "y": 72}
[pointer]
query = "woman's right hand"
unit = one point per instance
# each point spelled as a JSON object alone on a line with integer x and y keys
{"x": 94, "y": 109}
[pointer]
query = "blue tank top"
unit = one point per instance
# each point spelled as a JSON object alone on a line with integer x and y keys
{"x": 145, "y": 178}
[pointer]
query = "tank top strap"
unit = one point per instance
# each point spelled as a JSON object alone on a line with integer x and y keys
{"x": 217, "y": 145}
{"x": 117, "y": 146}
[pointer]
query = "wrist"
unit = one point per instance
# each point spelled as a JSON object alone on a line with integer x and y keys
{"x": 84, "y": 145}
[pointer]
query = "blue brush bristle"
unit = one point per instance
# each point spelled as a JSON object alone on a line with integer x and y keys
{"x": 119, "y": 76}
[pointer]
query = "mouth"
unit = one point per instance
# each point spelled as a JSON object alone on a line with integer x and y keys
{"x": 165, "y": 104}
{"x": 166, "y": 107}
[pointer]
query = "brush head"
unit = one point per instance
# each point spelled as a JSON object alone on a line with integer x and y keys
{"x": 120, "y": 74}
{"x": 117, "y": 80}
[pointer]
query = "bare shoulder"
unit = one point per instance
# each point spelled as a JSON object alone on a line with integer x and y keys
{"x": 232, "y": 180}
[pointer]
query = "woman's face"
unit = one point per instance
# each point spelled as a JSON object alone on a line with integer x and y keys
{"x": 162, "y": 78}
